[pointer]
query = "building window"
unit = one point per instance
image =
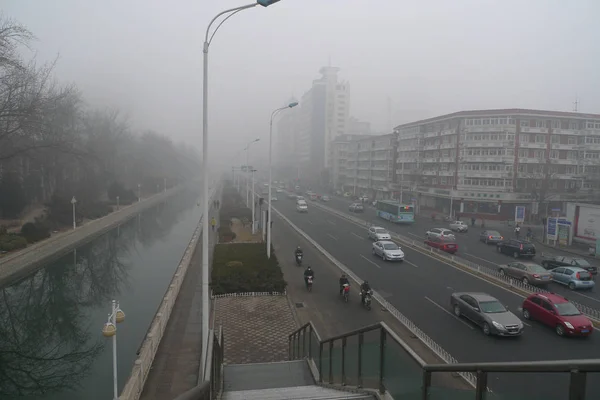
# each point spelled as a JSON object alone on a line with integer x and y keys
{"x": 539, "y": 154}
{"x": 555, "y": 139}
{"x": 541, "y": 124}
{"x": 572, "y": 140}
{"x": 540, "y": 138}
{"x": 524, "y": 138}
{"x": 524, "y": 124}
{"x": 554, "y": 154}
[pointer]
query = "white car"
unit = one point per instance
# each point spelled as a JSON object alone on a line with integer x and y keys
{"x": 458, "y": 226}
{"x": 377, "y": 233}
{"x": 388, "y": 251}
{"x": 278, "y": 190}
{"x": 302, "y": 207}
{"x": 273, "y": 198}
{"x": 442, "y": 233}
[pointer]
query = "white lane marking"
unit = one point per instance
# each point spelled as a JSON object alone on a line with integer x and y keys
{"x": 374, "y": 263}
{"x": 482, "y": 259}
{"x": 331, "y": 236}
{"x": 449, "y": 313}
{"x": 409, "y": 263}
{"x": 360, "y": 237}
{"x": 331, "y": 222}
{"x": 417, "y": 236}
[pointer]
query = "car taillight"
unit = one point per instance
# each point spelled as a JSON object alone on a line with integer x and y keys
{"x": 501, "y": 237}
{"x": 521, "y": 247}
{"x": 491, "y": 237}
{"x": 577, "y": 276}
{"x": 536, "y": 276}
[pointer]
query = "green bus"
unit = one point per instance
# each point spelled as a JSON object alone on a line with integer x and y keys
{"x": 395, "y": 211}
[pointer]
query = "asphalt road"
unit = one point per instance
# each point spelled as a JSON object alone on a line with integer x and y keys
{"x": 420, "y": 288}
{"x": 469, "y": 247}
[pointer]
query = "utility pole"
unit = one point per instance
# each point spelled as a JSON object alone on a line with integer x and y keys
{"x": 576, "y": 104}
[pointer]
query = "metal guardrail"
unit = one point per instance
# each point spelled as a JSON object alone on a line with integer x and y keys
{"x": 489, "y": 272}
{"x": 301, "y": 346}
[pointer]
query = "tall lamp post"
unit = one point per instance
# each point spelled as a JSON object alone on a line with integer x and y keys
{"x": 73, "y": 202}
{"x": 273, "y": 114}
{"x": 208, "y": 37}
{"x": 253, "y": 199}
{"x": 248, "y": 171}
{"x": 139, "y": 192}
{"x": 110, "y": 330}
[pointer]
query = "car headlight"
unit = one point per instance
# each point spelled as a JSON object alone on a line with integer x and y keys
{"x": 497, "y": 325}
{"x": 569, "y": 325}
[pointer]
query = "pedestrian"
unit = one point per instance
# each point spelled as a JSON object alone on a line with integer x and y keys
{"x": 213, "y": 222}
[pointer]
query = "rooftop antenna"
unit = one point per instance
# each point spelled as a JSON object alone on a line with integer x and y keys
{"x": 576, "y": 104}
{"x": 389, "y": 111}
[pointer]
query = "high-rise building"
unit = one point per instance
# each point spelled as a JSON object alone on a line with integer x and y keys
{"x": 485, "y": 163}
{"x": 323, "y": 114}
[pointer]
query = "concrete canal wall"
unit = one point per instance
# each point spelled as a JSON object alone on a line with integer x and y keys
{"x": 21, "y": 263}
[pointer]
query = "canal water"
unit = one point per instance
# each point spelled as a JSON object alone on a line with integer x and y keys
{"x": 51, "y": 345}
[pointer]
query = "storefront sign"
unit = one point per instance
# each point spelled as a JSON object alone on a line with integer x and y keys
{"x": 551, "y": 233}
{"x": 519, "y": 214}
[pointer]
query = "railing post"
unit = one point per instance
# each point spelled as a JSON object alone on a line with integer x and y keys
{"x": 304, "y": 341}
{"x": 361, "y": 339}
{"x": 577, "y": 385}
{"x": 344, "y": 361}
{"x": 320, "y": 362}
{"x": 297, "y": 345}
{"x": 382, "y": 340}
{"x": 290, "y": 355}
{"x": 310, "y": 332}
{"x": 426, "y": 384}
{"x": 481, "y": 388}
{"x": 331, "y": 362}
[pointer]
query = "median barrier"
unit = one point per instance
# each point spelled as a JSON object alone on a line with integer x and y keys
{"x": 135, "y": 384}
{"x": 411, "y": 326}
{"x": 483, "y": 272}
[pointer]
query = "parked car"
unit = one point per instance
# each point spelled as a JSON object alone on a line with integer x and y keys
{"x": 388, "y": 251}
{"x": 493, "y": 237}
{"x": 527, "y": 272}
{"x": 378, "y": 233}
{"x": 486, "y": 312}
{"x": 449, "y": 246}
{"x": 573, "y": 277}
{"x": 356, "y": 207}
{"x": 516, "y": 248}
{"x": 458, "y": 226}
{"x": 441, "y": 233}
{"x": 550, "y": 262}
{"x": 557, "y": 312}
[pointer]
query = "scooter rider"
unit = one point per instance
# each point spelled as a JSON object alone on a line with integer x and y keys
{"x": 364, "y": 289}
{"x": 298, "y": 252}
{"x": 308, "y": 273}
{"x": 343, "y": 281}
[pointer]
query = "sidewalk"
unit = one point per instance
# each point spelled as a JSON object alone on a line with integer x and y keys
{"x": 330, "y": 315}
{"x": 177, "y": 362}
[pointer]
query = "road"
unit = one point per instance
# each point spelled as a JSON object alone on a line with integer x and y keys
{"x": 469, "y": 247}
{"x": 420, "y": 288}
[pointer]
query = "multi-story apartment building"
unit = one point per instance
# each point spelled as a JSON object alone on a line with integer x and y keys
{"x": 338, "y": 156}
{"x": 487, "y": 162}
{"x": 370, "y": 166}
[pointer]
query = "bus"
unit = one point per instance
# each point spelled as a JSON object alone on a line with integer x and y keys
{"x": 395, "y": 212}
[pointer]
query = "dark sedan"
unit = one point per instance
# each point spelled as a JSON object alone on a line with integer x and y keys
{"x": 493, "y": 237}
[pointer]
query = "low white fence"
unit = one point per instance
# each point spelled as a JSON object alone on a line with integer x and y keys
{"x": 247, "y": 294}
{"x": 134, "y": 386}
{"x": 488, "y": 272}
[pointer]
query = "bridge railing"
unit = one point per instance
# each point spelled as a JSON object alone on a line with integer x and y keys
{"x": 375, "y": 357}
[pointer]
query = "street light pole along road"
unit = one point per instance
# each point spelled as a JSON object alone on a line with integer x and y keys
{"x": 207, "y": 41}
{"x": 273, "y": 114}
{"x": 247, "y": 150}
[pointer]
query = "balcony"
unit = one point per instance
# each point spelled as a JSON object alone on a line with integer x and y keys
{"x": 500, "y": 144}
{"x": 528, "y": 129}
{"x": 447, "y": 146}
{"x": 447, "y": 173}
{"x": 487, "y": 174}
{"x": 559, "y": 146}
{"x": 533, "y": 145}
{"x": 431, "y": 147}
{"x": 430, "y": 134}
{"x": 430, "y": 172}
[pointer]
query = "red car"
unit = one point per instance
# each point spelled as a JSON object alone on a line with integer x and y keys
{"x": 557, "y": 312}
{"x": 444, "y": 245}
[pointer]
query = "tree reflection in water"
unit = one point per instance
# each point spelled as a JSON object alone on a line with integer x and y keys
{"x": 46, "y": 342}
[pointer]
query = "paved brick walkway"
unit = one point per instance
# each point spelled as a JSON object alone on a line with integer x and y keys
{"x": 255, "y": 329}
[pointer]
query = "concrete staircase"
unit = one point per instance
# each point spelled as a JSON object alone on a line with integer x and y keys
{"x": 288, "y": 380}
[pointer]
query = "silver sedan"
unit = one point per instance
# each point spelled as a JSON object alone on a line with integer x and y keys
{"x": 388, "y": 251}
{"x": 486, "y": 312}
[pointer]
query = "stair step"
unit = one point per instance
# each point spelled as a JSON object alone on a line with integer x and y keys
{"x": 242, "y": 377}
{"x": 312, "y": 392}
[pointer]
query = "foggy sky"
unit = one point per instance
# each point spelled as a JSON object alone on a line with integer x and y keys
{"x": 429, "y": 57}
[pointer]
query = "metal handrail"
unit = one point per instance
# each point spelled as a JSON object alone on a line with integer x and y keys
{"x": 298, "y": 349}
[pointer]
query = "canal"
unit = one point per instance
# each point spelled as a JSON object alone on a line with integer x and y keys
{"x": 51, "y": 345}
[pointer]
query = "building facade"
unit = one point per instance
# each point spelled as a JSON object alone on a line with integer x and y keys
{"x": 371, "y": 166}
{"x": 485, "y": 163}
{"x": 338, "y": 156}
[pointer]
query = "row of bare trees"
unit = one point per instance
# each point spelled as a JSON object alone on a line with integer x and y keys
{"x": 51, "y": 144}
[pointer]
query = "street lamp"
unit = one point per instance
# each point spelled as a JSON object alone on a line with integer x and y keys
{"x": 247, "y": 170}
{"x": 117, "y": 203}
{"x": 253, "y": 198}
{"x": 139, "y": 192}
{"x": 207, "y": 41}
{"x": 73, "y": 201}
{"x": 110, "y": 330}
{"x": 273, "y": 114}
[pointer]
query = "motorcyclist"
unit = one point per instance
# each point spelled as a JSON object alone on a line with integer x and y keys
{"x": 364, "y": 289}
{"x": 298, "y": 252}
{"x": 308, "y": 273}
{"x": 343, "y": 281}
